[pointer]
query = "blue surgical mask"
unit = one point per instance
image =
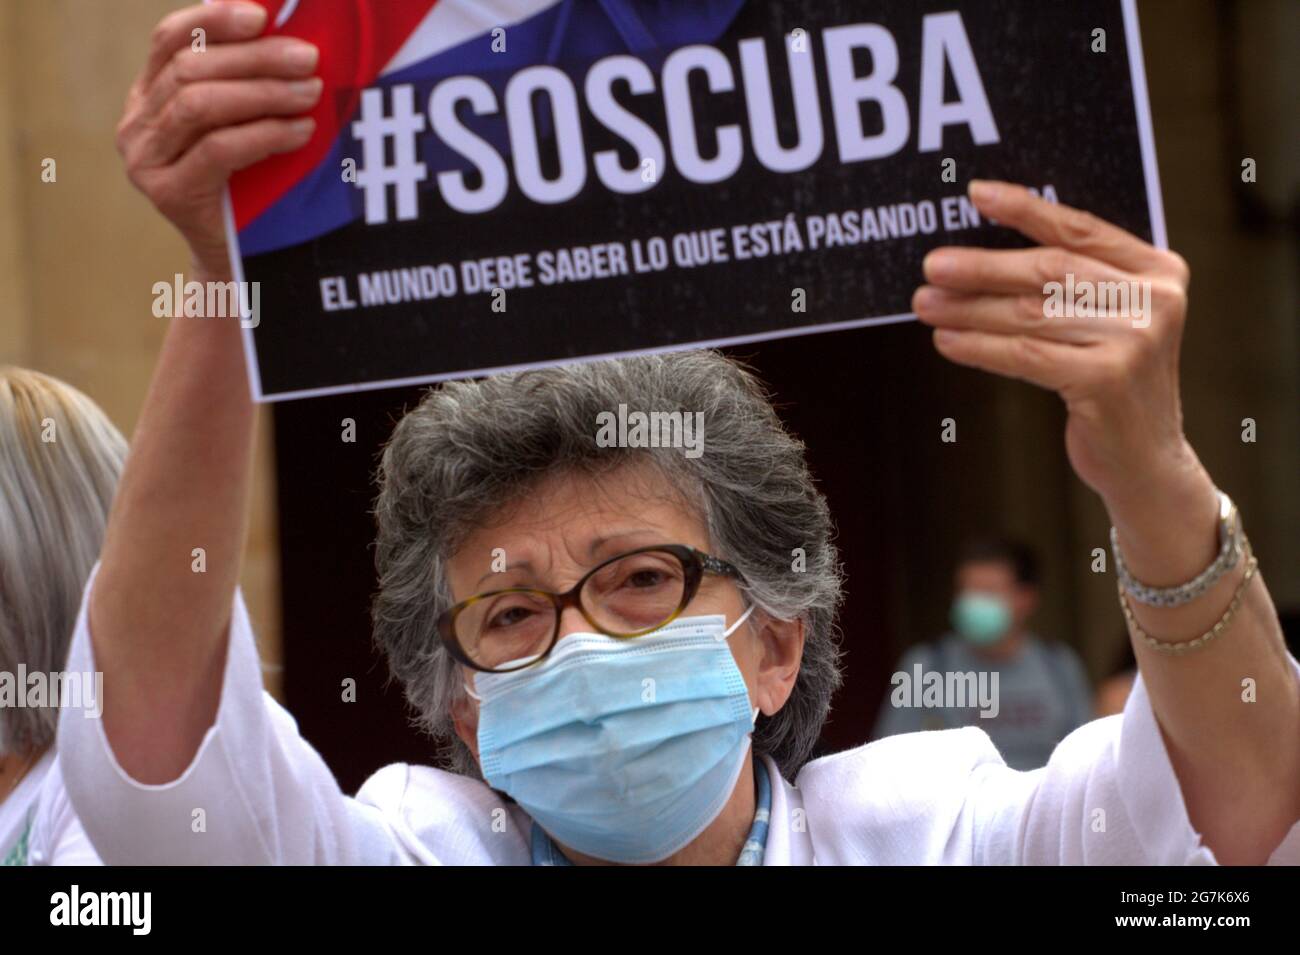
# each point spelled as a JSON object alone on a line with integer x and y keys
{"x": 621, "y": 749}
{"x": 981, "y": 618}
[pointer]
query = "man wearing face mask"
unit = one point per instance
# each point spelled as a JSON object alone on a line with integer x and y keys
{"x": 1031, "y": 693}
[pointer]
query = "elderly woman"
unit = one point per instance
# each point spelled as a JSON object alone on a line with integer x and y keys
{"x": 614, "y": 639}
{"x": 59, "y": 466}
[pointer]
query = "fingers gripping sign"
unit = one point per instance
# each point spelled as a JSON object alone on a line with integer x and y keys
{"x": 1112, "y": 358}
{"x": 197, "y": 114}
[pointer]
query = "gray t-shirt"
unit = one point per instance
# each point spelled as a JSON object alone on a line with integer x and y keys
{"x": 1042, "y": 696}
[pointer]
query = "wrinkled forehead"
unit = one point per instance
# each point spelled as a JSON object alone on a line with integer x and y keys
{"x": 566, "y": 522}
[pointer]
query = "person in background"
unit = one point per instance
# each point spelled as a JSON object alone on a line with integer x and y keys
{"x": 59, "y": 467}
{"x": 1042, "y": 690}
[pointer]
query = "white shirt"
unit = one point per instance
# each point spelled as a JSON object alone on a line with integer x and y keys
{"x": 256, "y": 792}
{"x": 37, "y": 822}
{"x": 18, "y": 811}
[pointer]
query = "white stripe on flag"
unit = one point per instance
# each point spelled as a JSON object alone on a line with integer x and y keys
{"x": 452, "y": 22}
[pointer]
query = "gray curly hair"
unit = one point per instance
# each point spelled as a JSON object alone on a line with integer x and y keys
{"x": 471, "y": 446}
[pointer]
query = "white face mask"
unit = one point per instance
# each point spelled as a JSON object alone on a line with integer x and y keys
{"x": 622, "y": 749}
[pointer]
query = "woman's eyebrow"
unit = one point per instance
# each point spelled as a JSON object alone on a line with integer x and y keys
{"x": 597, "y": 543}
{"x": 514, "y": 565}
{"x": 593, "y": 548}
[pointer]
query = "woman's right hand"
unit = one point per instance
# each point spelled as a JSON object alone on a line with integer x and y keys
{"x": 195, "y": 116}
{"x": 158, "y": 625}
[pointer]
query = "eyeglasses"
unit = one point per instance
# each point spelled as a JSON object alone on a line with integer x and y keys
{"x": 626, "y": 596}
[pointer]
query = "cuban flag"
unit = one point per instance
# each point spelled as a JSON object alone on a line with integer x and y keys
{"x": 377, "y": 44}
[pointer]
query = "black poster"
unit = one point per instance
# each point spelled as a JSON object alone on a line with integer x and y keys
{"x": 596, "y": 178}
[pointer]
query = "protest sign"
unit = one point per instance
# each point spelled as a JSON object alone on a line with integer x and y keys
{"x": 505, "y": 184}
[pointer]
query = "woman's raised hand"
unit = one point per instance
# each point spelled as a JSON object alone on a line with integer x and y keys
{"x": 1116, "y": 369}
{"x": 214, "y": 97}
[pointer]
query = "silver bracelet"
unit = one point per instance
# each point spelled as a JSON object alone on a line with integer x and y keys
{"x": 1178, "y": 647}
{"x": 1229, "y": 554}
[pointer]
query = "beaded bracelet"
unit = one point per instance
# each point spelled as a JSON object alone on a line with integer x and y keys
{"x": 1187, "y": 646}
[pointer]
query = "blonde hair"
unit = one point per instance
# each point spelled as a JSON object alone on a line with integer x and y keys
{"x": 60, "y": 458}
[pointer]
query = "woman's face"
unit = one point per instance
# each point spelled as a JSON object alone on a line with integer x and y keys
{"x": 572, "y": 522}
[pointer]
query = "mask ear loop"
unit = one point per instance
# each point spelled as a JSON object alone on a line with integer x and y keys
{"x": 753, "y": 719}
{"x": 741, "y": 619}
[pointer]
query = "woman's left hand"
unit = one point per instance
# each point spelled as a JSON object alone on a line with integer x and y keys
{"x": 1238, "y": 765}
{"x": 1116, "y": 370}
